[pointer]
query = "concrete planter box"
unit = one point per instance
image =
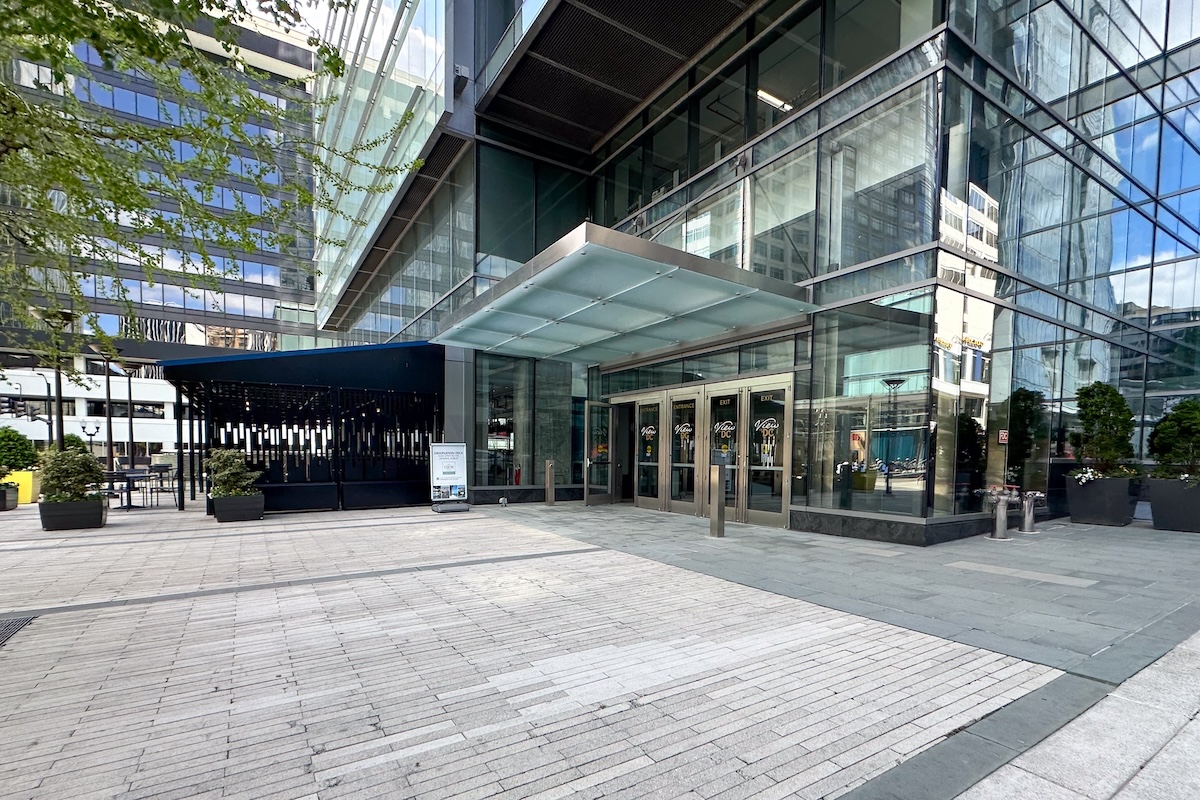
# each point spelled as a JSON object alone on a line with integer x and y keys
{"x": 1175, "y": 505}
{"x": 8, "y": 497}
{"x": 1107, "y": 501}
{"x": 73, "y": 516}
{"x": 238, "y": 509}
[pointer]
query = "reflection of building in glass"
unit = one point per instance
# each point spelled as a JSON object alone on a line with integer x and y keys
{"x": 971, "y": 225}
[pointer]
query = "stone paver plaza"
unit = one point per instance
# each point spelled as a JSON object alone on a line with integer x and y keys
{"x": 407, "y": 654}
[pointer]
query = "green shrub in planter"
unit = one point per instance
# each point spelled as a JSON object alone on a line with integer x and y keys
{"x": 70, "y": 479}
{"x": 235, "y": 498}
{"x": 1100, "y": 492}
{"x": 1175, "y": 445}
{"x": 16, "y": 451}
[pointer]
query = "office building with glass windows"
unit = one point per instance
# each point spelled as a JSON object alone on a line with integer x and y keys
{"x": 263, "y": 300}
{"x": 862, "y": 253}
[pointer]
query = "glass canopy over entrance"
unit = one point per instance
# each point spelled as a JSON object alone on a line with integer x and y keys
{"x": 597, "y": 295}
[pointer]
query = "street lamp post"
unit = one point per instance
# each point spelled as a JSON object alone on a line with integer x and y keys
{"x": 90, "y": 431}
{"x": 129, "y": 369}
{"x": 57, "y": 320}
{"x": 892, "y": 385}
{"x": 33, "y": 416}
{"x": 108, "y": 418}
{"x": 49, "y": 413}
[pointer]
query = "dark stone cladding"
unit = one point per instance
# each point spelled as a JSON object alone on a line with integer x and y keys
{"x": 490, "y": 495}
{"x": 918, "y": 532}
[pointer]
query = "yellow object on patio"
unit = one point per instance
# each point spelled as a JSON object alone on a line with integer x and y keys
{"x": 29, "y": 485}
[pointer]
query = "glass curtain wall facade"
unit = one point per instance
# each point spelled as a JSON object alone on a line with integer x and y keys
{"x": 992, "y": 207}
{"x": 395, "y": 65}
{"x": 993, "y": 218}
{"x": 264, "y": 300}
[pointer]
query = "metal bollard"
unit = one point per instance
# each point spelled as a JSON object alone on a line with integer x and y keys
{"x": 716, "y": 500}
{"x": 1000, "y": 525}
{"x": 549, "y": 481}
{"x": 1028, "y": 503}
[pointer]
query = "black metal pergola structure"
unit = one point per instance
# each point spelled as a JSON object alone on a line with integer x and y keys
{"x": 334, "y": 428}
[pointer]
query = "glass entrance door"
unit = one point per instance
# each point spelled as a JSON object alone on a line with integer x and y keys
{"x": 724, "y": 429}
{"x": 747, "y": 429}
{"x": 597, "y": 470}
{"x": 647, "y": 458}
{"x": 683, "y": 454}
{"x": 766, "y": 488}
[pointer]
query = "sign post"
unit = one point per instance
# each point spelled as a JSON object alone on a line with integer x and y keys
{"x": 448, "y": 476}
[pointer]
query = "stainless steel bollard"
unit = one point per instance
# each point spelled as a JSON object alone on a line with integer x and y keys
{"x": 716, "y": 500}
{"x": 549, "y": 481}
{"x": 1000, "y": 524}
{"x": 1028, "y": 503}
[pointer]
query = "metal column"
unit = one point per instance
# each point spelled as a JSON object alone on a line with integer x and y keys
{"x": 716, "y": 500}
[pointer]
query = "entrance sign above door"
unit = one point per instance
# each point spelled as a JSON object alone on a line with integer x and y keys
{"x": 597, "y": 295}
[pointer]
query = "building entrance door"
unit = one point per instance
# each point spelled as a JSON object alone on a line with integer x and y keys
{"x": 747, "y": 429}
{"x": 597, "y": 466}
{"x": 680, "y": 433}
{"x": 682, "y": 408}
{"x": 648, "y": 454}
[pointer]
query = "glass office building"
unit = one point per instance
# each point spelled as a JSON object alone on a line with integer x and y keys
{"x": 862, "y": 254}
{"x": 264, "y": 299}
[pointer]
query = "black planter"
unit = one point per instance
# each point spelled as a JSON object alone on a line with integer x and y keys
{"x": 8, "y": 498}
{"x": 1106, "y": 501}
{"x": 1175, "y": 505}
{"x": 73, "y": 516}
{"x": 238, "y": 509}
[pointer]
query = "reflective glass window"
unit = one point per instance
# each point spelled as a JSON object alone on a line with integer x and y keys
{"x": 789, "y": 70}
{"x": 862, "y": 32}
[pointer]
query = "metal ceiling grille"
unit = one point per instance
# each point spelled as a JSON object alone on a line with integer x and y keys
{"x": 595, "y": 61}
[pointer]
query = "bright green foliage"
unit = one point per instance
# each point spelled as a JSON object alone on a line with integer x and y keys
{"x": 81, "y": 186}
{"x": 75, "y": 442}
{"x": 229, "y": 474}
{"x": 4, "y": 473}
{"x": 1105, "y": 427}
{"x": 16, "y": 451}
{"x": 1175, "y": 441}
{"x": 69, "y": 476}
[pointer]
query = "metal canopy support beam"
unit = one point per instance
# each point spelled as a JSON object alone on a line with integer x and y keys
{"x": 178, "y": 482}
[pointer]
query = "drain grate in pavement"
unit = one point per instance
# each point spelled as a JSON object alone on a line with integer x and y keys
{"x": 8, "y": 627}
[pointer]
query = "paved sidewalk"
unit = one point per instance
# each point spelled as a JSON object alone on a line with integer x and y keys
{"x": 1142, "y": 742}
{"x": 403, "y": 654}
{"x": 1099, "y": 603}
{"x": 591, "y": 652}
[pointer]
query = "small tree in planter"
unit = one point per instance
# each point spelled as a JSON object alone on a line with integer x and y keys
{"x": 1098, "y": 493}
{"x": 69, "y": 497}
{"x": 1175, "y": 445}
{"x": 8, "y": 491}
{"x": 16, "y": 451}
{"x": 235, "y": 498}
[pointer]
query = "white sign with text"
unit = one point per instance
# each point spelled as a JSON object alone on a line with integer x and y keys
{"x": 448, "y": 471}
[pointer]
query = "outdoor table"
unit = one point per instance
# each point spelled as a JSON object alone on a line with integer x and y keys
{"x": 131, "y": 478}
